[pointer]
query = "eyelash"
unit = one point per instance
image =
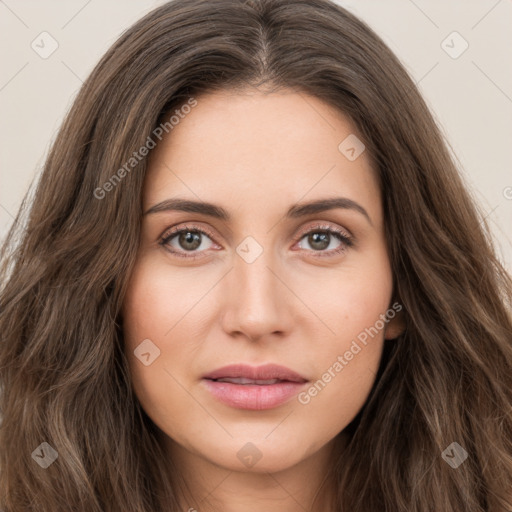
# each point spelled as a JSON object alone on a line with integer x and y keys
{"x": 346, "y": 239}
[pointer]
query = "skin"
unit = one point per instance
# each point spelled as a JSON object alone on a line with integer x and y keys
{"x": 255, "y": 154}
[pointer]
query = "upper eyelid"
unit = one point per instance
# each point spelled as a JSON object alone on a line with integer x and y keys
{"x": 170, "y": 232}
{"x": 319, "y": 226}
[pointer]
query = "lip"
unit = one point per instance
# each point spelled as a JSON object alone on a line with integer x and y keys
{"x": 254, "y": 396}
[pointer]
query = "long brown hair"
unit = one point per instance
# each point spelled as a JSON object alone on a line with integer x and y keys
{"x": 64, "y": 379}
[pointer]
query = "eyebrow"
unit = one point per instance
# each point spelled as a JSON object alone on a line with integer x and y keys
{"x": 295, "y": 211}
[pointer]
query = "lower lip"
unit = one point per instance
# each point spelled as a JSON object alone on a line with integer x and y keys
{"x": 253, "y": 397}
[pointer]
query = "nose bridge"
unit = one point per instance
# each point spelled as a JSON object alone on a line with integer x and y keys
{"x": 257, "y": 301}
{"x": 257, "y": 284}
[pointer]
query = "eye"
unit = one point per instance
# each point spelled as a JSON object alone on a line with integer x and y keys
{"x": 186, "y": 240}
{"x": 191, "y": 241}
{"x": 322, "y": 237}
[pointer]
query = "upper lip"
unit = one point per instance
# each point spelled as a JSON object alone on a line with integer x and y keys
{"x": 264, "y": 372}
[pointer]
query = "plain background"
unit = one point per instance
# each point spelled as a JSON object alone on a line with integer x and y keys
{"x": 470, "y": 95}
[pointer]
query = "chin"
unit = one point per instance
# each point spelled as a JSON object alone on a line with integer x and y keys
{"x": 256, "y": 455}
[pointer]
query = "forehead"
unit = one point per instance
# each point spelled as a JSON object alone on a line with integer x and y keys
{"x": 265, "y": 150}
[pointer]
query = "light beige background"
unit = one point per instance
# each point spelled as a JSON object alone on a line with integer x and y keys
{"x": 470, "y": 96}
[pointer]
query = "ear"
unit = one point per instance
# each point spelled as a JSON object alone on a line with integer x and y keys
{"x": 395, "y": 326}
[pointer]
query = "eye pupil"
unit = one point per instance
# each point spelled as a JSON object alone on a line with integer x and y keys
{"x": 319, "y": 238}
{"x": 189, "y": 240}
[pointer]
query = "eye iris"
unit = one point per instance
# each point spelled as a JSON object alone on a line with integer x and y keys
{"x": 319, "y": 238}
{"x": 189, "y": 240}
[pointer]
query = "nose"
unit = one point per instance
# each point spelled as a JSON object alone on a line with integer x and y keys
{"x": 258, "y": 304}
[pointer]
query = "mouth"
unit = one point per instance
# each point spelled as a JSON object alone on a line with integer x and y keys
{"x": 254, "y": 388}
{"x": 244, "y": 382}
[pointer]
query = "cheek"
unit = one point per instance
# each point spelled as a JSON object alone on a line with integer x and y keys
{"x": 346, "y": 366}
{"x": 352, "y": 304}
{"x": 162, "y": 306}
{"x": 350, "y": 299}
{"x": 145, "y": 322}
{"x": 158, "y": 299}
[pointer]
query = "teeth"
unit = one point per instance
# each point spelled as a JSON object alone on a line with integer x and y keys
{"x": 243, "y": 380}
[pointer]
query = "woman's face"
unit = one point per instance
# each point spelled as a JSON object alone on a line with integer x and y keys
{"x": 261, "y": 279}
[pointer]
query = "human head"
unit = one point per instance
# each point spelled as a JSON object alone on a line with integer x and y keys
{"x": 80, "y": 249}
{"x": 279, "y": 301}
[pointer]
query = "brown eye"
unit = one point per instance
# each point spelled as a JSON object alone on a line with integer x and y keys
{"x": 187, "y": 240}
{"x": 319, "y": 241}
{"x": 325, "y": 240}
